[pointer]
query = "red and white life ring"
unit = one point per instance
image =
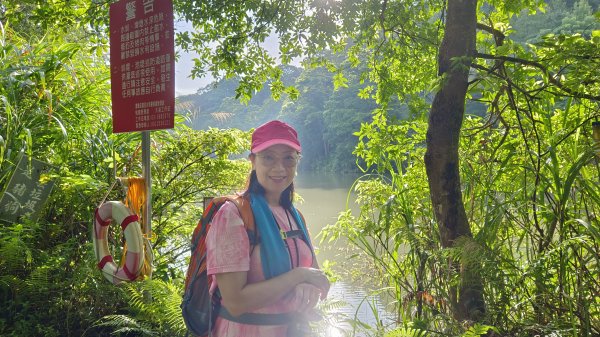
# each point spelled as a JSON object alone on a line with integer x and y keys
{"x": 134, "y": 258}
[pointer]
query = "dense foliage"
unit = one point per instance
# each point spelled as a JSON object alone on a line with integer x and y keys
{"x": 528, "y": 164}
{"x": 55, "y": 107}
{"x": 528, "y": 169}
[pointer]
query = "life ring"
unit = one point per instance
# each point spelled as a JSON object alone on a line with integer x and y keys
{"x": 134, "y": 258}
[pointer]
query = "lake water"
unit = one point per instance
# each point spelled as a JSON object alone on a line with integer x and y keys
{"x": 325, "y": 196}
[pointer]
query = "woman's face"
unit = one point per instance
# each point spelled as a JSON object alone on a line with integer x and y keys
{"x": 275, "y": 169}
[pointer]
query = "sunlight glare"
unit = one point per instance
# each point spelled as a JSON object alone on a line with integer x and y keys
{"x": 333, "y": 331}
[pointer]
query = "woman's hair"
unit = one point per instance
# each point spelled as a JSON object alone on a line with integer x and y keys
{"x": 253, "y": 186}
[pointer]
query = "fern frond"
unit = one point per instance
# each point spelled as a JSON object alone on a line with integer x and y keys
{"x": 15, "y": 255}
{"x": 478, "y": 330}
{"x": 123, "y": 323}
{"x": 11, "y": 282}
{"x": 162, "y": 310}
{"x": 39, "y": 280}
{"x": 407, "y": 332}
{"x": 332, "y": 305}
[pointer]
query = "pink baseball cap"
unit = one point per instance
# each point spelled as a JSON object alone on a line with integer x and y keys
{"x": 272, "y": 133}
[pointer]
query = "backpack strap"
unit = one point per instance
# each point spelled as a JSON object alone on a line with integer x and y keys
{"x": 312, "y": 251}
{"x": 243, "y": 205}
{"x": 252, "y": 318}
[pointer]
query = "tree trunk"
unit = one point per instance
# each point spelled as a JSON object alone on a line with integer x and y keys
{"x": 441, "y": 158}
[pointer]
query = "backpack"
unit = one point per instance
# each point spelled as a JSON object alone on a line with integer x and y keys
{"x": 199, "y": 309}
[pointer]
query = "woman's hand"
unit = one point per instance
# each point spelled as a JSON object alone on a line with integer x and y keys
{"x": 306, "y": 297}
{"x": 316, "y": 278}
{"x": 239, "y": 296}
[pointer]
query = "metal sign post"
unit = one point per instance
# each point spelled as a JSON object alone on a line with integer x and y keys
{"x": 147, "y": 212}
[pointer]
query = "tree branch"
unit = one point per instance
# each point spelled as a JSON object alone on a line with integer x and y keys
{"x": 544, "y": 70}
{"x": 505, "y": 78}
{"x": 498, "y": 35}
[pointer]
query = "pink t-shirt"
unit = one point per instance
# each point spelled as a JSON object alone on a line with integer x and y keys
{"x": 228, "y": 250}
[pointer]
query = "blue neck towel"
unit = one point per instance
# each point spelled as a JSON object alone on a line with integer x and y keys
{"x": 274, "y": 256}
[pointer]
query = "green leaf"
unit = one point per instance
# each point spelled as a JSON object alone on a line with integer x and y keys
{"x": 591, "y": 228}
{"x": 340, "y": 81}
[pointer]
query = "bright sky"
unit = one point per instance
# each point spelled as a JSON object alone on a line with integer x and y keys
{"x": 184, "y": 85}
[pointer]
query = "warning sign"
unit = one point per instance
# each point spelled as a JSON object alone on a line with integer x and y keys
{"x": 142, "y": 65}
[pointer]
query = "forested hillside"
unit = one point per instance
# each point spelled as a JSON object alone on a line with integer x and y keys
{"x": 325, "y": 118}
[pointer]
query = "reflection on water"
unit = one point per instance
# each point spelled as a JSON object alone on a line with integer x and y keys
{"x": 357, "y": 305}
{"x": 325, "y": 195}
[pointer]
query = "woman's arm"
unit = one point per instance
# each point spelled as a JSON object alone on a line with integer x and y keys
{"x": 239, "y": 296}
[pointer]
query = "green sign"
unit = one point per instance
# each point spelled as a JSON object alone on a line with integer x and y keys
{"x": 25, "y": 193}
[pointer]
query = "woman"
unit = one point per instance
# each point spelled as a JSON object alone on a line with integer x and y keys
{"x": 267, "y": 289}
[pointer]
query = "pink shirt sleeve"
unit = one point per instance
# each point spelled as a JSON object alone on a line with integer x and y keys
{"x": 227, "y": 244}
